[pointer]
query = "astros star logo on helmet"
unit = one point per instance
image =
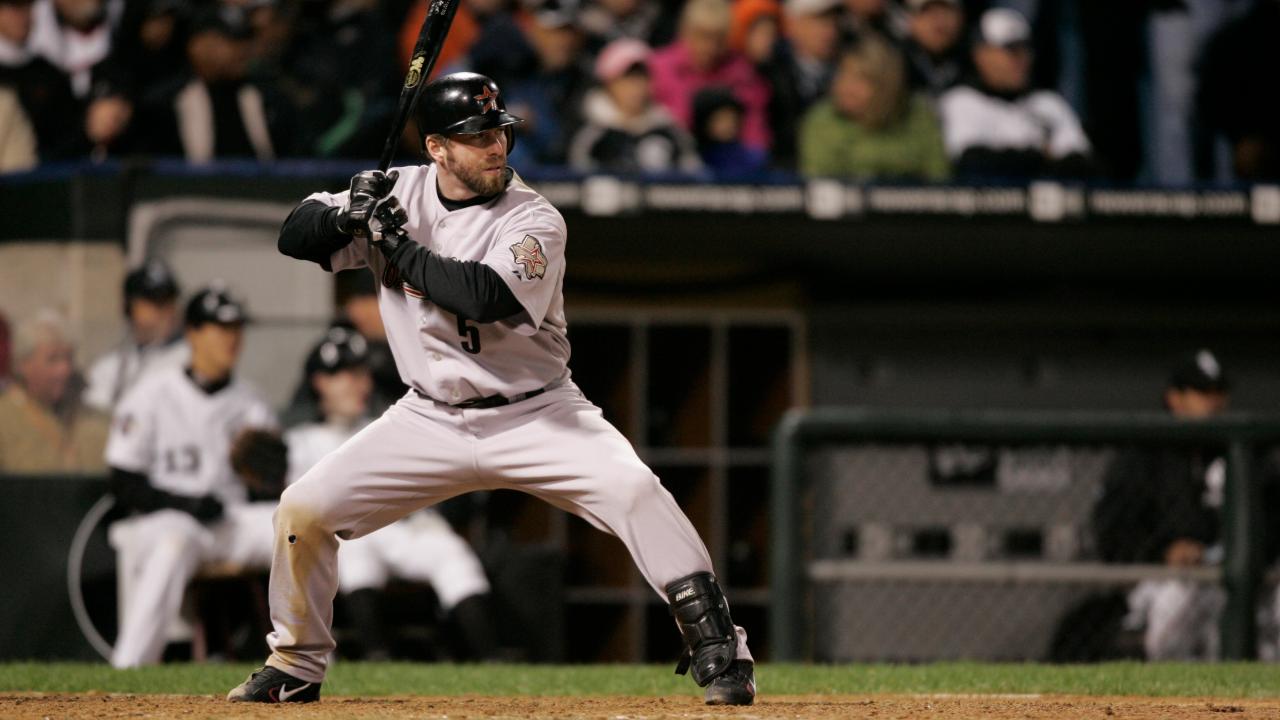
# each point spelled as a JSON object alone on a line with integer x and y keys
{"x": 488, "y": 100}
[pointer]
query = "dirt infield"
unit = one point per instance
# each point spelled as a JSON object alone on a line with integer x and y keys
{"x": 879, "y": 707}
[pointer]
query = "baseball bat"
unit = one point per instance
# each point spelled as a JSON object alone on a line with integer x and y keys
{"x": 425, "y": 51}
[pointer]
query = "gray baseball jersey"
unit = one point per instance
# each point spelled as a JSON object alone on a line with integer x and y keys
{"x": 522, "y": 237}
{"x": 555, "y": 445}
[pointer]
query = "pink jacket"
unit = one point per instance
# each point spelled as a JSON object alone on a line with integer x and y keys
{"x": 676, "y": 81}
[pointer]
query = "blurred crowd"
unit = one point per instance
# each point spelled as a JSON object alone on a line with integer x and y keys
{"x": 1163, "y": 92}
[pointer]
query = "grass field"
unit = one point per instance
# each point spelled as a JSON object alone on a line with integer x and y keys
{"x": 1224, "y": 680}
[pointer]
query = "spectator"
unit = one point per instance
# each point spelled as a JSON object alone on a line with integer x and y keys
{"x": 548, "y": 93}
{"x": 170, "y": 459}
{"x": 934, "y": 47}
{"x": 607, "y": 20}
{"x": 863, "y": 18}
{"x": 873, "y": 125}
{"x": 422, "y": 547}
{"x": 344, "y": 106}
{"x": 44, "y": 90}
{"x": 997, "y": 126}
{"x": 700, "y": 57}
{"x": 1164, "y": 507}
{"x": 717, "y": 120}
{"x": 75, "y": 35}
{"x": 43, "y": 426}
{"x": 152, "y": 341}
{"x": 217, "y": 110}
{"x": 756, "y": 27}
{"x": 148, "y": 57}
{"x": 800, "y": 71}
{"x": 1233, "y": 102}
{"x": 457, "y": 42}
{"x": 501, "y": 48}
{"x": 17, "y": 138}
{"x": 626, "y": 132}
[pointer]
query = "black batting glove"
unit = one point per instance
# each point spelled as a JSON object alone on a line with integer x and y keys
{"x": 206, "y": 509}
{"x": 368, "y": 188}
{"x": 391, "y": 217}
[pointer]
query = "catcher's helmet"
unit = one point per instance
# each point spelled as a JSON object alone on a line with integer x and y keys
{"x": 463, "y": 103}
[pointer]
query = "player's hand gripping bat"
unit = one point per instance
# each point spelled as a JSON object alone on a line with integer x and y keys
{"x": 430, "y": 39}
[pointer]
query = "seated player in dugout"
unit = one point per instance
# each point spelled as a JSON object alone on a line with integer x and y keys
{"x": 422, "y": 547}
{"x": 177, "y": 439}
{"x": 472, "y": 264}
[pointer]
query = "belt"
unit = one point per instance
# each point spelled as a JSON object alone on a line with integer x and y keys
{"x": 481, "y": 403}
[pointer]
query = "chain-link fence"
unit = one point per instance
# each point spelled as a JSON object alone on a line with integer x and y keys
{"x": 996, "y": 536}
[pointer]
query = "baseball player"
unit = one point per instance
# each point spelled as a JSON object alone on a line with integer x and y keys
{"x": 472, "y": 264}
{"x": 421, "y": 547}
{"x": 154, "y": 339}
{"x": 170, "y": 456}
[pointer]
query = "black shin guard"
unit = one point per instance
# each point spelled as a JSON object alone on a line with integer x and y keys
{"x": 702, "y": 614}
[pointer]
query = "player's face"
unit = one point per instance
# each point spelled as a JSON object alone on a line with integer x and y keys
{"x": 47, "y": 371}
{"x": 152, "y": 320}
{"x": 214, "y": 348}
{"x": 1191, "y": 404}
{"x": 344, "y": 394}
{"x": 476, "y": 161}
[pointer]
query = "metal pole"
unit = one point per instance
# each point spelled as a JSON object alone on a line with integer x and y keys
{"x": 785, "y": 562}
{"x": 1241, "y": 564}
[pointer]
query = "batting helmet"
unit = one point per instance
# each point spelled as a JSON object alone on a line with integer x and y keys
{"x": 215, "y": 305}
{"x": 463, "y": 103}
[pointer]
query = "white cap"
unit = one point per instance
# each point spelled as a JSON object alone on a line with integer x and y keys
{"x": 1003, "y": 27}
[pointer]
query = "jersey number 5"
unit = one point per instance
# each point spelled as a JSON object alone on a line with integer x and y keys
{"x": 470, "y": 336}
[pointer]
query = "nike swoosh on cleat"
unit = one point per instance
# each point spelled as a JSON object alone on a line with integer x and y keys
{"x": 285, "y": 693}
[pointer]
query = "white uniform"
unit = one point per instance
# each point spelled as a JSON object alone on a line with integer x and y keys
{"x": 111, "y": 375}
{"x": 555, "y": 445}
{"x": 179, "y": 436}
{"x": 422, "y": 547}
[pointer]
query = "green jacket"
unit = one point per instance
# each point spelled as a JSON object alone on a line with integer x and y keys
{"x": 834, "y": 146}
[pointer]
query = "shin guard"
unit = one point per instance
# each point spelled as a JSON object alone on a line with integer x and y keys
{"x": 702, "y": 614}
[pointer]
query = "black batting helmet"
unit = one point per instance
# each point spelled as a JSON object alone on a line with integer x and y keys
{"x": 463, "y": 103}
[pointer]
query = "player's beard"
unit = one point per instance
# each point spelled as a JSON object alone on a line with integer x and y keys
{"x": 474, "y": 177}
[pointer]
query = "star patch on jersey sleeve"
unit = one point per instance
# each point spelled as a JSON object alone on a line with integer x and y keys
{"x": 528, "y": 254}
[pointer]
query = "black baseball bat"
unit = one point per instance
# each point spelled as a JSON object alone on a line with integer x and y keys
{"x": 425, "y": 51}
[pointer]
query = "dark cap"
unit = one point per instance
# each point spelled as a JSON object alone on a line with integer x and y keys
{"x": 229, "y": 20}
{"x": 1200, "y": 371}
{"x": 340, "y": 349}
{"x": 152, "y": 281}
{"x": 215, "y": 305}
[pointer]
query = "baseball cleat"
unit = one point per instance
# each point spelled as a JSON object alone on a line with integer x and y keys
{"x": 269, "y": 685}
{"x": 736, "y": 686}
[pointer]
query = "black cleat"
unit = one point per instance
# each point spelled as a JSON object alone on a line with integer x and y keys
{"x": 735, "y": 686}
{"x": 269, "y": 685}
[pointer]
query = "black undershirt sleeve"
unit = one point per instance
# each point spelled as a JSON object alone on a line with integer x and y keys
{"x": 311, "y": 233}
{"x": 134, "y": 492}
{"x": 466, "y": 288}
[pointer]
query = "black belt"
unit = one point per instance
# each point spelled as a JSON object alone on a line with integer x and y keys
{"x": 482, "y": 403}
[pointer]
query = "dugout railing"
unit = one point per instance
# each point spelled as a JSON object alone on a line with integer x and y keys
{"x": 820, "y": 584}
